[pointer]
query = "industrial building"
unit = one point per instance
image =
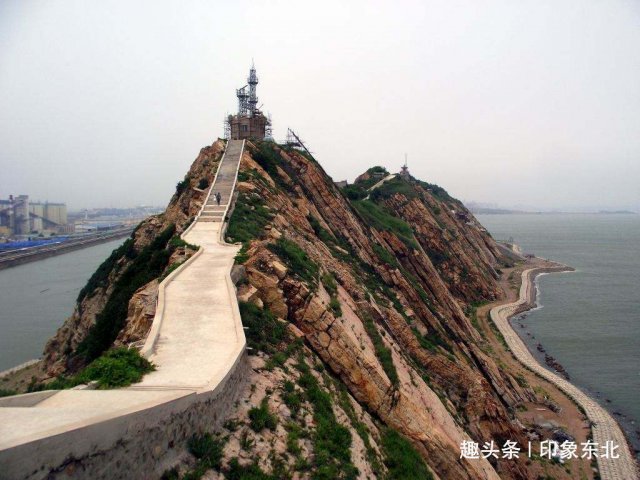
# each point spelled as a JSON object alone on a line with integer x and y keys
{"x": 249, "y": 122}
{"x": 19, "y": 216}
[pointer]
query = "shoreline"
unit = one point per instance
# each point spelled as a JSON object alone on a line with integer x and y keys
{"x": 627, "y": 424}
{"x": 604, "y": 426}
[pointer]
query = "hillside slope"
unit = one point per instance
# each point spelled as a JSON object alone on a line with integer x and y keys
{"x": 359, "y": 307}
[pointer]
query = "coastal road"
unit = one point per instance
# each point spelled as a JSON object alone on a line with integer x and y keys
{"x": 604, "y": 427}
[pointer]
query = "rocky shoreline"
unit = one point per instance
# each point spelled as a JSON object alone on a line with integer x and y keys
{"x": 536, "y": 349}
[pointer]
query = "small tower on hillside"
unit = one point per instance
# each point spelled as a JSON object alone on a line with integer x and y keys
{"x": 249, "y": 122}
{"x": 404, "y": 170}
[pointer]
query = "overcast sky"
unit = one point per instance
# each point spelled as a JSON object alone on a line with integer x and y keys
{"x": 107, "y": 103}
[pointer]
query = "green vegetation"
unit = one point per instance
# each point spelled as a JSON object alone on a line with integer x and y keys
{"x": 320, "y": 232}
{"x": 382, "y": 352}
{"x": 116, "y": 368}
{"x": 145, "y": 266}
{"x": 385, "y": 256}
{"x": 261, "y": 417}
{"x": 7, "y": 393}
{"x": 437, "y": 257}
{"x": 266, "y": 155}
{"x": 360, "y": 428}
{"x": 402, "y": 460}
{"x": 376, "y": 217}
{"x": 242, "y": 255}
{"x": 203, "y": 184}
{"x": 177, "y": 242}
{"x": 291, "y": 397}
{"x": 391, "y": 187}
{"x": 334, "y": 305}
{"x": 297, "y": 259}
{"x": 355, "y": 192}
{"x": 100, "y": 278}
{"x": 207, "y": 449}
{"x": 248, "y": 219}
{"x": 182, "y": 185}
{"x": 264, "y": 331}
{"x": 247, "y": 472}
{"x": 432, "y": 340}
{"x": 435, "y": 190}
{"x": 332, "y": 289}
{"x": 331, "y": 441}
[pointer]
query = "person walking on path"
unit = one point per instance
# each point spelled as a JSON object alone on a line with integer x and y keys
{"x": 218, "y": 198}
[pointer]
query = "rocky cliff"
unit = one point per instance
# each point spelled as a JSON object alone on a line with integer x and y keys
{"x": 358, "y": 305}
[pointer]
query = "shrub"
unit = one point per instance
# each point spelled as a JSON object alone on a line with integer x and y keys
{"x": 7, "y": 393}
{"x": 182, "y": 185}
{"x": 116, "y": 368}
{"x": 177, "y": 242}
{"x": 247, "y": 472}
{"x": 296, "y": 258}
{"x": 264, "y": 331}
{"x": 203, "y": 184}
{"x": 207, "y": 449}
{"x": 334, "y": 305}
{"x": 402, "y": 460}
{"x": 261, "y": 418}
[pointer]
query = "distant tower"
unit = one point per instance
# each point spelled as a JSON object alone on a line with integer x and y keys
{"x": 253, "y": 83}
{"x": 404, "y": 170}
{"x": 249, "y": 122}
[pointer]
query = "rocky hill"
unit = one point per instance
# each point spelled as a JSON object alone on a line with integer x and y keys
{"x": 359, "y": 306}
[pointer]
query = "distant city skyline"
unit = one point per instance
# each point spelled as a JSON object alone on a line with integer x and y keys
{"x": 530, "y": 103}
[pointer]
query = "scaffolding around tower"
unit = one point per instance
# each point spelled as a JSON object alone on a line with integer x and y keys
{"x": 249, "y": 122}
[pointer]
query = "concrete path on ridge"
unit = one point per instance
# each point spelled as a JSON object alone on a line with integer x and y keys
{"x": 200, "y": 337}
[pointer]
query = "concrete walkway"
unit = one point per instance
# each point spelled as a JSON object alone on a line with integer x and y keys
{"x": 604, "y": 426}
{"x": 196, "y": 337}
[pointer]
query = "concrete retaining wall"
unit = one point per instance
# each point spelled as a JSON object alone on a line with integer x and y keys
{"x": 139, "y": 445}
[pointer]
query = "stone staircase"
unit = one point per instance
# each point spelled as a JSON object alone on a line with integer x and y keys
{"x": 223, "y": 184}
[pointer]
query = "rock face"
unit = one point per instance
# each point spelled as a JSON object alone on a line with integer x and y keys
{"x": 357, "y": 306}
{"x": 408, "y": 261}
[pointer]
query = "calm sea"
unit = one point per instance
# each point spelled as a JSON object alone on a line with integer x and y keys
{"x": 590, "y": 319}
{"x": 37, "y": 297}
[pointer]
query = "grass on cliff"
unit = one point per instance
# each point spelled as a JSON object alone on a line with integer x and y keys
{"x": 248, "y": 219}
{"x": 261, "y": 417}
{"x": 375, "y": 216}
{"x": 116, "y": 368}
{"x": 383, "y": 353}
{"x": 391, "y": 187}
{"x": 264, "y": 332}
{"x": 296, "y": 259}
{"x": 331, "y": 440}
{"x": 402, "y": 460}
{"x": 144, "y": 267}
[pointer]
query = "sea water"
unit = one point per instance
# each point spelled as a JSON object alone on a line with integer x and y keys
{"x": 36, "y": 298}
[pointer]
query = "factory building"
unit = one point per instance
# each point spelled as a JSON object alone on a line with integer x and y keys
{"x": 19, "y": 216}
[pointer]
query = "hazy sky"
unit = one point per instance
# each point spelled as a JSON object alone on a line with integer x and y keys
{"x": 107, "y": 103}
